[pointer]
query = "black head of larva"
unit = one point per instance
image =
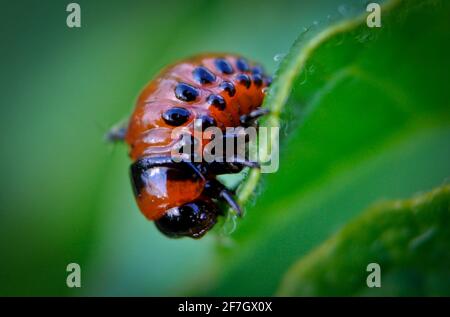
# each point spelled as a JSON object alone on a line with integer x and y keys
{"x": 186, "y": 92}
{"x": 176, "y": 116}
{"x": 244, "y": 79}
{"x": 203, "y": 75}
{"x": 193, "y": 219}
{"x": 217, "y": 101}
{"x": 228, "y": 87}
{"x": 223, "y": 66}
{"x": 242, "y": 65}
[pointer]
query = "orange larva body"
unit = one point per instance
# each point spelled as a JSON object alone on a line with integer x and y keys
{"x": 217, "y": 88}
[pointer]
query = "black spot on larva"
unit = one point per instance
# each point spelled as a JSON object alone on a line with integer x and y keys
{"x": 186, "y": 92}
{"x": 257, "y": 79}
{"x": 176, "y": 116}
{"x": 223, "y": 66}
{"x": 207, "y": 122}
{"x": 228, "y": 87}
{"x": 258, "y": 69}
{"x": 242, "y": 65}
{"x": 244, "y": 79}
{"x": 217, "y": 101}
{"x": 203, "y": 75}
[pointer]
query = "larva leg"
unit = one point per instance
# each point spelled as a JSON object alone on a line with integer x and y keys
{"x": 216, "y": 189}
{"x": 117, "y": 132}
{"x": 249, "y": 119}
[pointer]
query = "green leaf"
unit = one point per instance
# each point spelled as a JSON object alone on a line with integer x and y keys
{"x": 365, "y": 116}
{"x": 408, "y": 238}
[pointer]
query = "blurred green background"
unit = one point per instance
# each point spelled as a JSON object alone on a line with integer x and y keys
{"x": 66, "y": 195}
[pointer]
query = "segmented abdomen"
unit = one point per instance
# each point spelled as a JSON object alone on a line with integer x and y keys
{"x": 218, "y": 88}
